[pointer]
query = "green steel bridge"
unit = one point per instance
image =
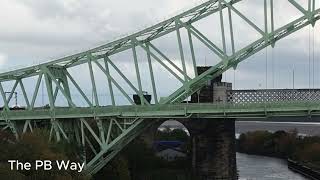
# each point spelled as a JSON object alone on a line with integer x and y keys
{"x": 112, "y": 126}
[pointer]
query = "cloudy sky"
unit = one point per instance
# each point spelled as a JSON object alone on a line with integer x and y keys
{"x": 35, "y": 31}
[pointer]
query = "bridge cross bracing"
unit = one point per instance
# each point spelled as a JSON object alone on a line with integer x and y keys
{"x": 273, "y": 95}
{"x": 113, "y": 127}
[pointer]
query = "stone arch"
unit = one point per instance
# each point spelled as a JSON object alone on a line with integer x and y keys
{"x": 148, "y": 136}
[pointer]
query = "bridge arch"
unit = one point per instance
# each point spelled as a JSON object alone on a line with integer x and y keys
{"x": 58, "y": 77}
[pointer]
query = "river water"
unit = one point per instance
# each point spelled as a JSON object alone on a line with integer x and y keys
{"x": 253, "y": 167}
{"x": 266, "y": 168}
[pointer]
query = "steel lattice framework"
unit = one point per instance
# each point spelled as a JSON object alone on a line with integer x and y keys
{"x": 273, "y": 95}
{"x": 106, "y": 130}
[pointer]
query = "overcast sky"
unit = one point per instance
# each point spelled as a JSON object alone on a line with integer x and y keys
{"x": 34, "y": 31}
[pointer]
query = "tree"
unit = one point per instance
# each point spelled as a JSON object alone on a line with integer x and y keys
{"x": 117, "y": 169}
{"x": 35, "y": 146}
{"x": 311, "y": 153}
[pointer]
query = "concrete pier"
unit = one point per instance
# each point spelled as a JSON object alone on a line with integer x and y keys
{"x": 213, "y": 140}
{"x": 213, "y": 149}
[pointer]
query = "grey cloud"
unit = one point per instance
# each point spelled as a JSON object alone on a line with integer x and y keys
{"x": 50, "y": 29}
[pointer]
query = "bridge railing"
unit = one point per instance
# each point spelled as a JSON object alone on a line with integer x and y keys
{"x": 159, "y": 110}
{"x": 273, "y": 95}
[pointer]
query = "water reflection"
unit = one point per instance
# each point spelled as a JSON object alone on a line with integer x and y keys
{"x": 252, "y": 167}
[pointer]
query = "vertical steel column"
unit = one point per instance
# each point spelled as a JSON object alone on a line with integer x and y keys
{"x": 4, "y": 97}
{"x": 76, "y": 131}
{"x": 231, "y": 31}
{"x": 49, "y": 90}
{"x": 26, "y": 125}
{"x": 192, "y": 54}
{"x": 98, "y": 121}
{"x": 109, "y": 131}
{"x": 160, "y": 61}
{"x": 78, "y": 88}
{"x": 94, "y": 88}
{"x": 168, "y": 60}
{"x": 181, "y": 51}
{"x": 244, "y": 18}
{"x": 12, "y": 91}
{"x": 222, "y": 29}
{"x": 154, "y": 90}
{"x": 82, "y": 134}
{"x": 55, "y": 94}
{"x": 54, "y": 128}
{"x": 312, "y": 11}
{"x": 114, "y": 82}
{"x": 309, "y": 6}
{"x": 57, "y": 83}
{"x": 83, "y": 143}
{"x": 101, "y": 129}
{"x": 266, "y": 37}
{"x": 36, "y": 90}
{"x": 272, "y": 21}
{"x": 109, "y": 81}
{"x": 137, "y": 70}
{"x": 65, "y": 84}
{"x": 12, "y": 126}
{"x": 24, "y": 93}
{"x": 265, "y": 18}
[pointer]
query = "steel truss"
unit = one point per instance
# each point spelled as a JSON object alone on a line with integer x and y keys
{"x": 106, "y": 135}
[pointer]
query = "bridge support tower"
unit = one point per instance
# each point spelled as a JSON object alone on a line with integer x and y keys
{"x": 213, "y": 140}
{"x": 213, "y": 148}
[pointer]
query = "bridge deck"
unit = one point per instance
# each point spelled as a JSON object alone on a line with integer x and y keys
{"x": 162, "y": 111}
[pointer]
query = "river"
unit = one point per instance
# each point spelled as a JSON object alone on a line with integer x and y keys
{"x": 253, "y": 167}
{"x": 266, "y": 168}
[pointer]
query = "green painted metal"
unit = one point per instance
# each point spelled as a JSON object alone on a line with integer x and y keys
{"x": 34, "y": 95}
{"x": 110, "y": 128}
{"x": 12, "y": 91}
{"x": 136, "y": 64}
{"x": 231, "y": 31}
{"x": 4, "y": 97}
{"x": 222, "y": 28}
{"x": 109, "y": 82}
{"x": 49, "y": 90}
{"x": 94, "y": 88}
{"x": 159, "y": 61}
{"x": 77, "y": 87}
{"x": 154, "y": 89}
{"x": 24, "y": 94}
{"x": 194, "y": 62}
{"x": 107, "y": 73}
{"x": 183, "y": 62}
{"x": 169, "y": 61}
{"x": 218, "y": 110}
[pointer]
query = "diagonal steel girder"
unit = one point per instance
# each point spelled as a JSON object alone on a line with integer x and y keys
{"x": 111, "y": 137}
{"x": 148, "y": 34}
{"x": 231, "y": 61}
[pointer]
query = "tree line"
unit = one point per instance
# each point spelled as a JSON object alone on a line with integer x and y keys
{"x": 137, "y": 161}
{"x": 283, "y": 145}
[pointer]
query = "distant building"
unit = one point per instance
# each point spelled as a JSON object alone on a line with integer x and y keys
{"x": 169, "y": 150}
{"x": 162, "y": 145}
{"x": 164, "y": 127}
{"x": 170, "y": 154}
